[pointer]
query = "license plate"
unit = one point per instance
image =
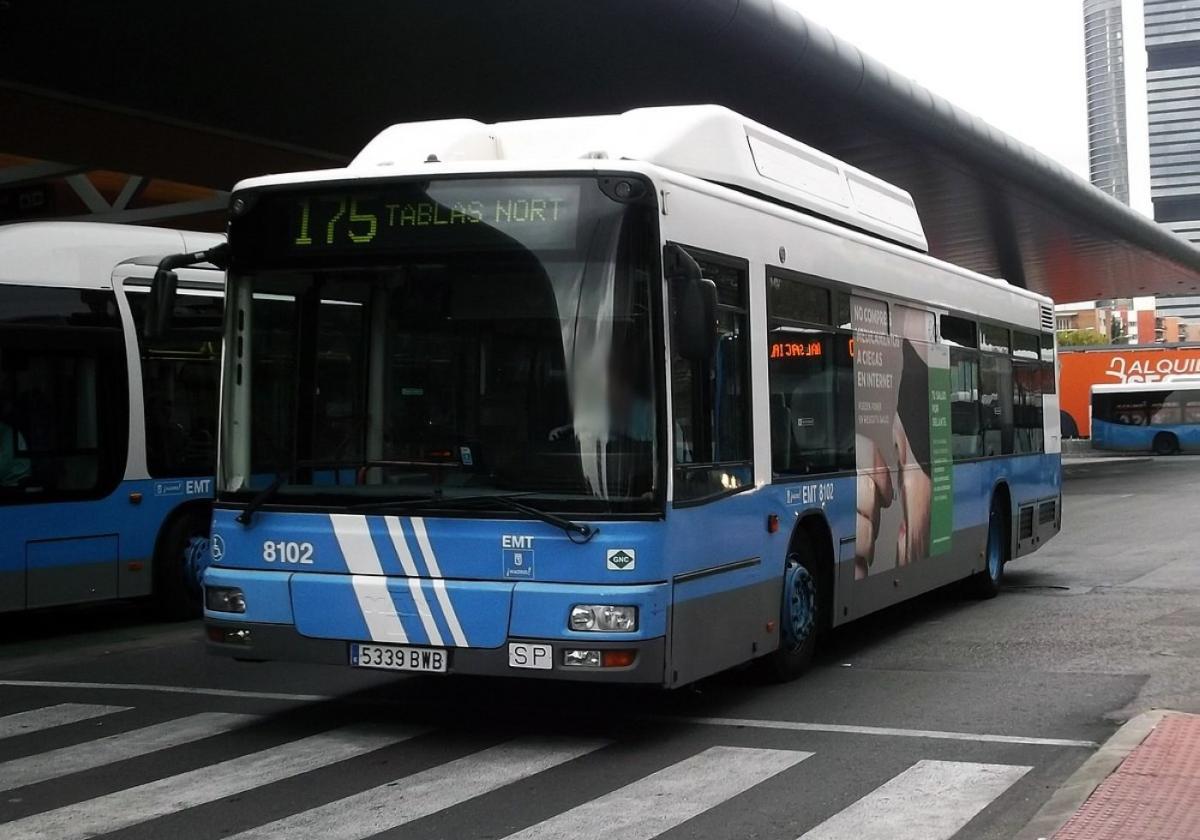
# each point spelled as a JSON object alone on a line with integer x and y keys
{"x": 527, "y": 655}
{"x": 397, "y": 658}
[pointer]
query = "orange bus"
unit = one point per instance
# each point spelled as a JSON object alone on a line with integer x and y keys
{"x": 1083, "y": 367}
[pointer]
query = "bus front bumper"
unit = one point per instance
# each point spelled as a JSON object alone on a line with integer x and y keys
{"x": 275, "y": 642}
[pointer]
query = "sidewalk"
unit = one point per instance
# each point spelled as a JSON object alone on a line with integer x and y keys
{"x": 1154, "y": 794}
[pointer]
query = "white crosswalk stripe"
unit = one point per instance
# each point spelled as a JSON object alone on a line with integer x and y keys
{"x": 663, "y": 800}
{"x": 79, "y": 757}
{"x": 138, "y": 804}
{"x": 393, "y": 804}
{"x": 931, "y": 800}
{"x": 36, "y": 720}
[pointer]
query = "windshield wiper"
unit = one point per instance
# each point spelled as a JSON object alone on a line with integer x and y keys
{"x": 264, "y": 496}
{"x": 508, "y": 500}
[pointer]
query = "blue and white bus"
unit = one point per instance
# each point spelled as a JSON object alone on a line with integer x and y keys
{"x": 107, "y": 439}
{"x": 1160, "y": 417}
{"x": 633, "y": 398}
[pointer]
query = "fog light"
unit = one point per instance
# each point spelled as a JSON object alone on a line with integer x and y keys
{"x": 582, "y": 658}
{"x": 229, "y": 635}
{"x": 224, "y": 599}
{"x": 603, "y": 618}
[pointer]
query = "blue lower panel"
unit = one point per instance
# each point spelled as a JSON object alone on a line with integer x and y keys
{"x": 452, "y": 613}
{"x": 268, "y": 595}
{"x": 542, "y": 610}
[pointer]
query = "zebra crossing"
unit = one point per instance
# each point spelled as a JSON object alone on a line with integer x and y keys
{"x": 932, "y": 799}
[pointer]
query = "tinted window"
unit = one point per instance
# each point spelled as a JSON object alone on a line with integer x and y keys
{"x": 180, "y": 377}
{"x": 993, "y": 339}
{"x": 1025, "y": 346}
{"x": 1027, "y": 408}
{"x": 966, "y": 434}
{"x": 798, "y": 301}
{"x": 959, "y": 331}
{"x": 63, "y": 394}
{"x": 995, "y": 399}
{"x": 811, "y": 376}
{"x": 711, "y": 398}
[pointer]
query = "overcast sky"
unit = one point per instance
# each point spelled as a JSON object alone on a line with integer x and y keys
{"x": 1016, "y": 63}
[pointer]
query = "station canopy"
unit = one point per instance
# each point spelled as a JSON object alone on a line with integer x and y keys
{"x": 206, "y": 93}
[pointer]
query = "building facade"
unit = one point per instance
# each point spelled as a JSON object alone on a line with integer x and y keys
{"x": 1173, "y": 96}
{"x": 1104, "y": 47}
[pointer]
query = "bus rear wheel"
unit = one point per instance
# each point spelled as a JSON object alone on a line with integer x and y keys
{"x": 801, "y": 617}
{"x": 986, "y": 584}
{"x": 1165, "y": 443}
{"x": 179, "y": 563}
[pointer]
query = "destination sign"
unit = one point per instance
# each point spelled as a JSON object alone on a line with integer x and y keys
{"x": 407, "y": 215}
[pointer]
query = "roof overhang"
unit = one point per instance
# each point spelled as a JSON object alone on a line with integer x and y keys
{"x": 285, "y": 86}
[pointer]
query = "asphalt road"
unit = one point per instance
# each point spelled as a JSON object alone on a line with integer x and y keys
{"x": 942, "y": 718}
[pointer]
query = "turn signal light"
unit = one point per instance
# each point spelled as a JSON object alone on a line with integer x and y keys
{"x": 617, "y": 658}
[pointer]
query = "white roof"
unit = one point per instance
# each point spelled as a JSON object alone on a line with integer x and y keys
{"x": 703, "y": 141}
{"x": 1179, "y": 382}
{"x": 85, "y": 253}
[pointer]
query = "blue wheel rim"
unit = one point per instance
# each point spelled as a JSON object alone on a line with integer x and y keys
{"x": 197, "y": 555}
{"x": 800, "y": 606}
{"x": 995, "y": 548}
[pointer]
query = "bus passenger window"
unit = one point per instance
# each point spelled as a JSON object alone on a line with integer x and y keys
{"x": 966, "y": 434}
{"x": 811, "y": 379}
{"x": 995, "y": 399}
{"x": 63, "y": 394}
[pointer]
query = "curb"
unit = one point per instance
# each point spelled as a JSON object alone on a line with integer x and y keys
{"x": 1071, "y": 795}
{"x": 1094, "y": 466}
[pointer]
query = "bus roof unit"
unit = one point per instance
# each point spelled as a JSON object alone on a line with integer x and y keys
{"x": 67, "y": 253}
{"x": 703, "y": 141}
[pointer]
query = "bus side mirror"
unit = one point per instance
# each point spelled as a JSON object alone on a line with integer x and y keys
{"x": 161, "y": 305}
{"x": 695, "y": 328}
{"x": 160, "y": 309}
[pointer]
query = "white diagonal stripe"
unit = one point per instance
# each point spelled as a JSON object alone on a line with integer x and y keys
{"x": 414, "y": 582}
{"x": 206, "y": 784}
{"x": 661, "y": 801}
{"x": 366, "y": 576}
{"x": 36, "y": 720}
{"x": 394, "y": 804}
{"x": 931, "y": 800}
{"x": 439, "y": 585}
{"x": 79, "y": 757}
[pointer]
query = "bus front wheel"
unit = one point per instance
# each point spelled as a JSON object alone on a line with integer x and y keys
{"x": 801, "y": 617}
{"x": 179, "y": 562}
{"x": 1165, "y": 443}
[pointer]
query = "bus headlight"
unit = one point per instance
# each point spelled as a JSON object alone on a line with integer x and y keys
{"x": 604, "y": 618}
{"x": 224, "y": 599}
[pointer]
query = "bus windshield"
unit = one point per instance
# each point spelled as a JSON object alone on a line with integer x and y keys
{"x": 471, "y": 358}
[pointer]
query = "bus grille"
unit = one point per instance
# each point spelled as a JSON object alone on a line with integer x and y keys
{"x": 1025, "y": 524}
{"x": 1046, "y": 512}
{"x": 1047, "y": 318}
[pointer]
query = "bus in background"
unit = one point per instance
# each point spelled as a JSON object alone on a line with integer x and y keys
{"x": 1082, "y": 367}
{"x": 633, "y": 398}
{"x": 107, "y": 439}
{"x": 1158, "y": 417}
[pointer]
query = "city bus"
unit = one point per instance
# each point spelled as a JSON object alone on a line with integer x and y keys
{"x": 633, "y": 398}
{"x": 1160, "y": 417}
{"x": 1079, "y": 368}
{"x": 107, "y": 438}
